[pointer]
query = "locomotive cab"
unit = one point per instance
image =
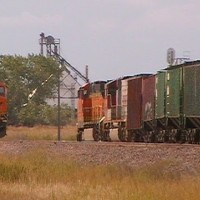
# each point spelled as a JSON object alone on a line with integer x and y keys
{"x": 3, "y": 109}
{"x": 90, "y": 108}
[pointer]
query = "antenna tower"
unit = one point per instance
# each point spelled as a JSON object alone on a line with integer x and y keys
{"x": 172, "y": 60}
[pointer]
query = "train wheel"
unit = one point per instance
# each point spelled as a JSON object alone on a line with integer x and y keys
{"x": 79, "y": 136}
{"x": 183, "y": 136}
{"x": 133, "y": 137}
{"x": 96, "y": 134}
{"x": 188, "y": 136}
{"x": 178, "y": 136}
{"x": 174, "y": 136}
{"x": 149, "y": 137}
{"x": 195, "y": 136}
{"x": 198, "y": 136}
{"x": 165, "y": 136}
{"x": 2, "y": 132}
{"x": 130, "y": 137}
{"x": 146, "y": 136}
{"x": 106, "y": 136}
{"x": 165, "y": 139}
{"x": 152, "y": 137}
{"x": 136, "y": 137}
{"x": 122, "y": 134}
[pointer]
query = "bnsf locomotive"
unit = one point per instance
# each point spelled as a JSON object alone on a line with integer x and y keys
{"x": 162, "y": 107}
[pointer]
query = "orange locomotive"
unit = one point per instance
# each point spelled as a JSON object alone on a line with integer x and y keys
{"x": 91, "y": 100}
{"x": 3, "y": 109}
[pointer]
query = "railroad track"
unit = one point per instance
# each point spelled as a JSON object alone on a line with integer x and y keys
{"x": 138, "y": 144}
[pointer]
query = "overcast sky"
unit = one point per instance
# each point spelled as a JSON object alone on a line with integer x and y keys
{"x": 113, "y": 37}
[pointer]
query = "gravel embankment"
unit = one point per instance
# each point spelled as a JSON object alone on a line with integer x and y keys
{"x": 182, "y": 158}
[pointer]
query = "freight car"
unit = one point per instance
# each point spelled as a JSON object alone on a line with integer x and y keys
{"x": 3, "y": 109}
{"x": 161, "y": 107}
{"x": 116, "y": 93}
{"x": 141, "y": 122}
{"x": 178, "y": 103}
{"x": 124, "y": 107}
{"x": 91, "y": 99}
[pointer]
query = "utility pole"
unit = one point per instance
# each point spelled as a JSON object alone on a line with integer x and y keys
{"x": 59, "y": 135}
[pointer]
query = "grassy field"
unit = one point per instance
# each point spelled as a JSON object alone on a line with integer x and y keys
{"x": 40, "y": 133}
{"x": 37, "y": 175}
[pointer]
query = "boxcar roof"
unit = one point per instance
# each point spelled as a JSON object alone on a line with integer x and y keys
{"x": 187, "y": 63}
{"x": 127, "y": 77}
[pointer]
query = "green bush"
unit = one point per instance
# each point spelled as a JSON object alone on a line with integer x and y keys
{"x": 34, "y": 114}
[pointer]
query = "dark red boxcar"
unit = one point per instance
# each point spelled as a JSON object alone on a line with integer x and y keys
{"x": 135, "y": 102}
{"x": 148, "y": 98}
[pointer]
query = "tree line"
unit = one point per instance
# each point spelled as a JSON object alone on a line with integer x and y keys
{"x": 31, "y": 81}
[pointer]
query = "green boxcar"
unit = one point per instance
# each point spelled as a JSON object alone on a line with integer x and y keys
{"x": 168, "y": 110}
{"x": 191, "y": 100}
{"x": 173, "y": 92}
{"x": 192, "y": 90}
{"x": 160, "y": 95}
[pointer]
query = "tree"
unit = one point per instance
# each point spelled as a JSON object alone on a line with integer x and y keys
{"x": 30, "y": 81}
{"x": 44, "y": 114}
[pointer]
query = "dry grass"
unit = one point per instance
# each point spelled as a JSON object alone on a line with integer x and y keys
{"x": 38, "y": 175}
{"x": 40, "y": 133}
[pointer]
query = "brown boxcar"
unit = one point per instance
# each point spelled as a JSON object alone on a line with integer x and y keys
{"x": 148, "y": 102}
{"x": 135, "y": 107}
{"x": 124, "y": 100}
{"x": 134, "y": 104}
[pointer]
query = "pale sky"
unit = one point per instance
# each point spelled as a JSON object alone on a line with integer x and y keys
{"x": 114, "y": 37}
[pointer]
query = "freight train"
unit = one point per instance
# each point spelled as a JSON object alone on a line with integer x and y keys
{"x": 161, "y": 107}
{"x": 3, "y": 109}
